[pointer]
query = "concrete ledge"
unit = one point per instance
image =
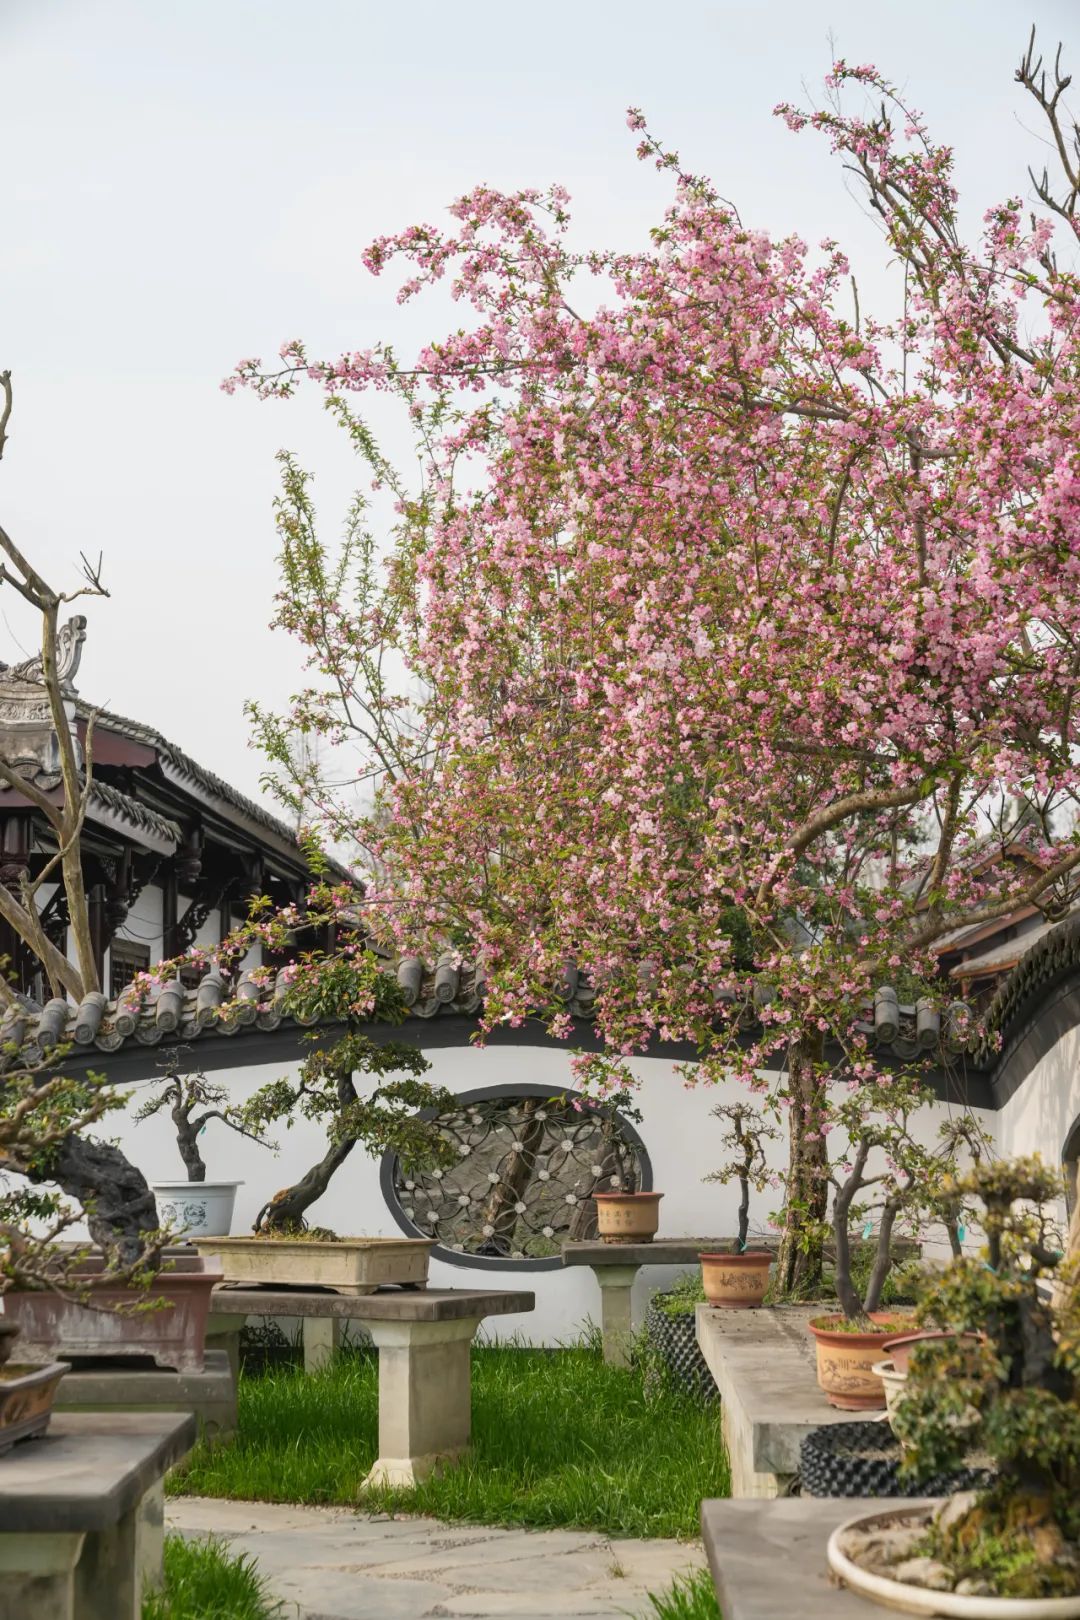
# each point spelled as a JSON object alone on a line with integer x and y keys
{"x": 210, "y": 1395}
{"x": 660, "y": 1252}
{"x": 768, "y": 1558}
{"x": 765, "y": 1368}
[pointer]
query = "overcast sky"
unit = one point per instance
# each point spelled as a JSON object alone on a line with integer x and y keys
{"x": 186, "y": 184}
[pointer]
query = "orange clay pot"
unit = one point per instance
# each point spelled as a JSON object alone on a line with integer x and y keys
{"x": 627, "y": 1217}
{"x": 845, "y": 1361}
{"x": 736, "y": 1281}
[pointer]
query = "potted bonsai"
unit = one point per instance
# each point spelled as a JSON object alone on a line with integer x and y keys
{"x": 1010, "y": 1390}
{"x": 739, "y": 1280}
{"x": 887, "y": 1175}
{"x": 342, "y": 991}
{"x": 194, "y": 1207}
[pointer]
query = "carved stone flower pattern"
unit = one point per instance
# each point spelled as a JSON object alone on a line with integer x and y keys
{"x": 525, "y": 1172}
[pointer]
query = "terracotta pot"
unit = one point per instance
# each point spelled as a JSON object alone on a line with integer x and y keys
{"x": 27, "y": 1394}
{"x": 900, "y": 1348}
{"x": 627, "y": 1217}
{"x": 173, "y": 1335}
{"x": 353, "y": 1265}
{"x": 9, "y": 1332}
{"x": 736, "y": 1281}
{"x": 845, "y": 1362}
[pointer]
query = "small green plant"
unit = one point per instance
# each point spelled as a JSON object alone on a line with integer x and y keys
{"x": 692, "y": 1597}
{"x": 204, "y": 1581}
{"x": 1009, "y": 1388}
{"x": 184, "y": 1095}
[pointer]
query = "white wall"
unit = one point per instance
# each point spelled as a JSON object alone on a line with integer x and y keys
{"x": 682, "y": 1140}
{"x": 1039, "y": 1116}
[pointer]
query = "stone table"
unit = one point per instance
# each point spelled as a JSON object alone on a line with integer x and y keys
{"x": 616, "y": 1265}
{"x": 768, "y": 1558}
{"x": 765, "y": 1368}
{"x": 82, "y": 1515}
{"x": 424, "y": 1339}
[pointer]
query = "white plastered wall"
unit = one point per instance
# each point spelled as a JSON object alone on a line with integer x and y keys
{"x": 683, "y": 1143}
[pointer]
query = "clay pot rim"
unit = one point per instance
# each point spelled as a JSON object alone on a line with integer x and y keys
{"x": 858, "y": 1341}
{"x": 626, "y": 1197}
{"x": 931, "y": 1333}
{"x": 745, "y": 1257}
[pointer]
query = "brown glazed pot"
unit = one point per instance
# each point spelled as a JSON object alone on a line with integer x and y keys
{"x": 627, "y": 1217}
{"x": 845, "y": 1362}
{"x": 27, "y": 1394}
{"x": 736, "y": 1281}
{"x": 54, "y": 1326}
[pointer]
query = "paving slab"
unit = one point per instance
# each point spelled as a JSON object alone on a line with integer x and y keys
{"x": 335, "y": 1564}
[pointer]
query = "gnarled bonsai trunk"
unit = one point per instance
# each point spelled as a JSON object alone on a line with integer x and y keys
{"x": 114, "y": 1195}
{"x": 285, "y": 1211}
{"x": 799, "y": 1259}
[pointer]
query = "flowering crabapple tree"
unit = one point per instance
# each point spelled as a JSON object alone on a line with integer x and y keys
{"x": 730, "y": 643}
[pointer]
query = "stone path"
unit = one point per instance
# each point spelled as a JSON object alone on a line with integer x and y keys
{"x": 332, "y": 1564}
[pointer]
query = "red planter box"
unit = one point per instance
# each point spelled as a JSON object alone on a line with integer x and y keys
{"x": 54, "y": 1327}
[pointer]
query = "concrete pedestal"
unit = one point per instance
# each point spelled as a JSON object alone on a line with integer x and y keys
{"x": 616, "y": 1312}
{"x": 423, "y": 1338}
{"x": 768, "y": 1558}
{"x": 82, "y": 1515}
{"x": 425, "y": 1398}
{"x": 615, "y": 1267}
{"x": 210, "y": 1394}
{"x": 765, "y": 1368}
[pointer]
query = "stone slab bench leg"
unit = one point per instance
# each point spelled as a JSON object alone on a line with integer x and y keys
{"x": 120, "y": 1564}
{"x": 322, "y": 1341}
{"x": 37, "y": 1575}
{"x": 425, "y": 1398}
{"x": 223, "y": 1333}
{"x": 616, "y": 1316}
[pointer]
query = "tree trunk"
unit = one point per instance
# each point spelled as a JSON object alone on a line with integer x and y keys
{"x": 285, "y": 1211}
{"x": 799, "y": 1259}
{"x": 187, "y": 1140}
{"x": 500, "y": 1211}
{"x": 114, "y": 1195}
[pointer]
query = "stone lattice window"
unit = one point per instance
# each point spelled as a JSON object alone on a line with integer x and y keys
{"x": 526, "y": 1168}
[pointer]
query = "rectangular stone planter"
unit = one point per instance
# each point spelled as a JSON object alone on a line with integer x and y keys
{"x": 27, "y": 1394}
{"x": 348, "y": 1265}
{"x": 172, "y": 1335}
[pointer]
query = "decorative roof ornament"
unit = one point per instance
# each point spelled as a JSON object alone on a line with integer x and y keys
{"x": 69, "y": 645}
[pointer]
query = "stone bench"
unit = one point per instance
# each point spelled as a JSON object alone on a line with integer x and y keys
{"x": 615, "y": 1267}
{"x": 82, "y": 1515}
{"x": 768, "y": 1558}
{"x": 765, "y": 1368}
{"x": 424, "y": 1339}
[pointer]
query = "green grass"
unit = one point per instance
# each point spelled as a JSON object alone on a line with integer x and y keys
{"x": 203, "y": 1581}
{"x": 690, "y": 1599}
{"x": 559, "y": 1439}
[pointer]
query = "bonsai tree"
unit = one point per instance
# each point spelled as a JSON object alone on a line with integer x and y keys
{"x": 1012, "y": 1392}
{"x": 746, "y": 1138}
{"x": 343, "y": 990}
{"x": 184, "y": 1095}
{"x": 41, "y": 1109}
{"x": 885, "y": 1176}
{"x": 749, "y": 631}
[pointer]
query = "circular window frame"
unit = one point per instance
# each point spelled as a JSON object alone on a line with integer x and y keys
{"x": 490, "y": 1262}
